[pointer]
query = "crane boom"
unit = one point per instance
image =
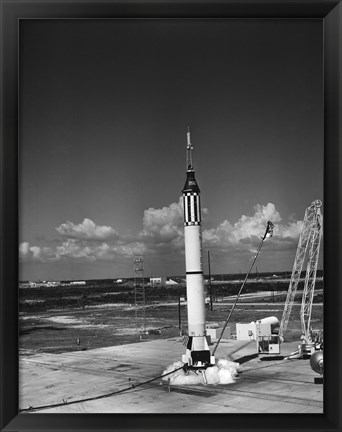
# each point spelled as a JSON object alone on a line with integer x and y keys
{"x": 308, "y": 239}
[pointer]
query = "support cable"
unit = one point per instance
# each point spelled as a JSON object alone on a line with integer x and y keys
{"x": 42, "y": 407}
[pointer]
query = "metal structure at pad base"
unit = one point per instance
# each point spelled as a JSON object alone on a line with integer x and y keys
{"x": 198, "y": 354}
{"x": 268, "y": 344}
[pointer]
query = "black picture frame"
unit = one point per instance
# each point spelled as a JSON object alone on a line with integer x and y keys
{"x": 331, "y": 14}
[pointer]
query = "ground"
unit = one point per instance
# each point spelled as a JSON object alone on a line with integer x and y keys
{"x": 127, "y": 379}
{"x": 97, "y": 359}
{"x": 75, "y": 328}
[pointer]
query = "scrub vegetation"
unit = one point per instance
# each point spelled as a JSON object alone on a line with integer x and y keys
{"x": 102, "y": 313}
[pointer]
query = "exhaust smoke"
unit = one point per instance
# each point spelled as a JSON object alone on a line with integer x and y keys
{"x": 223, "y": 372}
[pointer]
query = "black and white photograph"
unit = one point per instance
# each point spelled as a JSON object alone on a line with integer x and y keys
{"x": 171, "y": 205}
{"x": 171, "y": 216}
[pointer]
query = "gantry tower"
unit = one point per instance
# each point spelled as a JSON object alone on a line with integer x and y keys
{"x": 309, "y": 242}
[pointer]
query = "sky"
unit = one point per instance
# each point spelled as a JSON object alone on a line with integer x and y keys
{"x": 104, "y": 110}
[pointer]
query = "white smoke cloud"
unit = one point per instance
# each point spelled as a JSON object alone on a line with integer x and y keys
{"x": 86, "y": 230}
{"x": 224, "y": 372}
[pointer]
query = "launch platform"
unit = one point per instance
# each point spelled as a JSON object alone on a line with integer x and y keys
{"x": 125, "y": 379}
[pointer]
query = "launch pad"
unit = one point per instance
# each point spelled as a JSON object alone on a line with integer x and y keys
{"x": 124, "y": 379}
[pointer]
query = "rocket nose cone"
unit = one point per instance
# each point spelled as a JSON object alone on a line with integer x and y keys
{"x": 190, "y": 183}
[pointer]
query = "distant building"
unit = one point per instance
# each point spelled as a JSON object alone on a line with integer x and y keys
{"x": 28, "y": 284}
{"x": 162, "y": 281}
{"x": 171, "y": 282}
{"x": 39, "y": 284}
{"x": 77, "y": 283}
{"x": 157, "y": 281}
{"x": 52, "y": 284}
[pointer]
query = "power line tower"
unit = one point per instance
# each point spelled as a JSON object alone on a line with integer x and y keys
{"x": 139, "y": 293}
{"x": 309, "y": 240}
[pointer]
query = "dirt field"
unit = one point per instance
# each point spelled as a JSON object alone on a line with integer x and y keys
{"x": 72, "y": 328}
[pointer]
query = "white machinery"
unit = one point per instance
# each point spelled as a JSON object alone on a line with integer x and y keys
{"x": 263, "y": 331}
{"x": 309, "y": 241}
{"x": 260, "y": 327}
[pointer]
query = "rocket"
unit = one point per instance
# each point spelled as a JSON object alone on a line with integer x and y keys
{"x": 197, "y": 350}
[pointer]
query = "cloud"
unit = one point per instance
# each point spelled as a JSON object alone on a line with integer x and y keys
{"x": 75, "y": 249}
{"x": 247, "y": 231}
{"x": 24, "y": 250}
{"x": 86, "y": 251}
{"x": 290, "y": 231}
{"x": 86, "y": 230}
{"x": 29, "y": 253}
{"x": 80, "y": 250}
{"x": 246, "y": 227}
{"x": 163, "y": 225}
{"x": 162, "y": 238}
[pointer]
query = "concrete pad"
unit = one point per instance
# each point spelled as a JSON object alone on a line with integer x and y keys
{"x": 113, "y": 380}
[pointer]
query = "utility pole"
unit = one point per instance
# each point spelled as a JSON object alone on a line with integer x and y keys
{"x": 179, "y": 312}
{"x": 210, "y": 292}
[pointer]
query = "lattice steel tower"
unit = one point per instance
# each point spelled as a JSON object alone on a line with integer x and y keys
{"x": 139, "y": 293}
{"x": 309, "y": 240}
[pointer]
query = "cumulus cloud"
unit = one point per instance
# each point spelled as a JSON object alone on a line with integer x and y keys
{"x": 93, "y": 251}
{"x": 36, "y": 253}
{"x": 165, "y": 224}
{"x": 290, "y": 231}
{"x": 76, "y": 250}
{"x": 244, "y": 235}
{"x": 162, "y": 235}
{"x": 80, "y": 250}
{"x": 24, "y": 249}
{"x": 86, "y": 230}
{"x": 247, "y": 227}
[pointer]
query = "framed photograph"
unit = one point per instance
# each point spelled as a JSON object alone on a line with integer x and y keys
{"x": 170, "y": 219}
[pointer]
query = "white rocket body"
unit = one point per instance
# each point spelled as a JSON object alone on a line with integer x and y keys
{"x": 197, "y": 353}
